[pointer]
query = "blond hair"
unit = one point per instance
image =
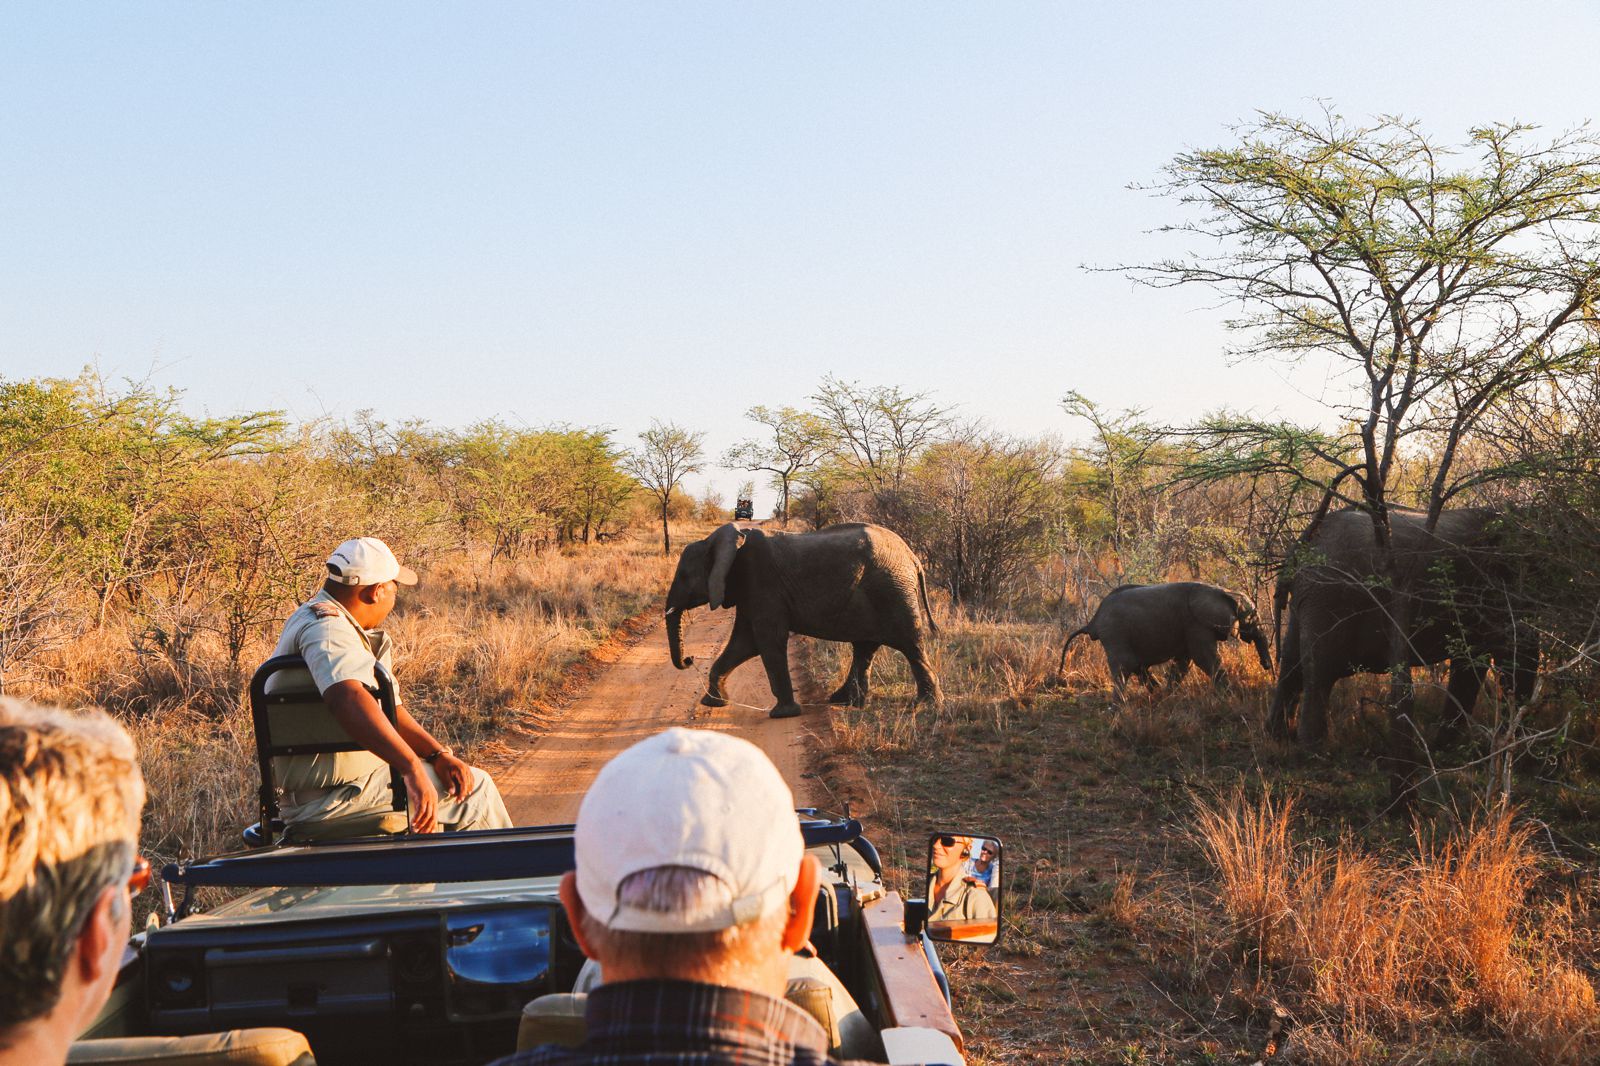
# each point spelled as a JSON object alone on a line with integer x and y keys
{"x": 70, "y": 796}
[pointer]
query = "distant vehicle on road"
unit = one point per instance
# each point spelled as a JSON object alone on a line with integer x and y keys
{"x": 744, "y": 509}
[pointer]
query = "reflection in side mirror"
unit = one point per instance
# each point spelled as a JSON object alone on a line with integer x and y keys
{"x": 964, "y": 891}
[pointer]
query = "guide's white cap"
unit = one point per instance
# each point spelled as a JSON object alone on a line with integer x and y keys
{"x": 367, "y": 561}
{"x": 694, "y": 798}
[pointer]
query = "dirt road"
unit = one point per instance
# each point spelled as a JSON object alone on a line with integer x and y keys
{"x": 639, "y": 694}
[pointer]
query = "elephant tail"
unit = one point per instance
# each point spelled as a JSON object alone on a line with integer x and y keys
{"x": 922, "y": 591}
{"x": 1061, "y": 667}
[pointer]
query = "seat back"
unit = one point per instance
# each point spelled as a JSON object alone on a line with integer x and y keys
{"x": 237, "y": 1047}
{"x": 813, "y": 996}
{"x": 554, "y": 1019}
{"x": 817, "y": 990}
{"x": 291, "y": 719}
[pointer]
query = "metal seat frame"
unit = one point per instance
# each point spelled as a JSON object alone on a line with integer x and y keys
{"x": 266, "y": 750}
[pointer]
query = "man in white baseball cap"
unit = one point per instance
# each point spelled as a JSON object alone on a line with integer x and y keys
{"x": 339, "y": 634}
{"x": 692, "y": 890}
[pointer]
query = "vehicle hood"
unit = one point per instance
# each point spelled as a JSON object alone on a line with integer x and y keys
{"x": 308, "y": 902}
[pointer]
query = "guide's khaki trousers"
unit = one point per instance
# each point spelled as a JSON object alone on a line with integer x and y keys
{"x": 480, "y": 808}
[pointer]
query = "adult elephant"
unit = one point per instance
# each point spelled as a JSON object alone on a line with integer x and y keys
{"x": 1451, "y": 588}
{"x": 1180, "y": 622}
{"x": 852, "y": 582}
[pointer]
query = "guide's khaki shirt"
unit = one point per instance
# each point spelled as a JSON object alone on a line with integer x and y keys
{"x": 962, "y": 900}
{"x": 335, "y": 649}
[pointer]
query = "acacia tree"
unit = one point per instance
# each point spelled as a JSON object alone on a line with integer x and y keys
{"x": 667, "y": 453}
{"x": 600, "y": 486}
{"x": 1119, "y": 456}
{"x": 108, "y": 465}
{"x": 798, "y": 442}
{"x": 875, "y": 433}
{"x": 984, "y": 501}
{"x": 1438, "y": 280}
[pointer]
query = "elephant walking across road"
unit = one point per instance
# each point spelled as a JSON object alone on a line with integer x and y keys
{"x": 856, "y": 583}
{"x": 1455, "y": 587}
{"x": 1179, "y": 622}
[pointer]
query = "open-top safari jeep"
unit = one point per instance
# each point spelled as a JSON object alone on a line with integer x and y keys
{"x": 454, "y": 948}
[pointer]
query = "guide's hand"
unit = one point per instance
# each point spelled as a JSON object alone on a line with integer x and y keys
{"x": 456, "y": 775}
{"x": 422, "y": 798}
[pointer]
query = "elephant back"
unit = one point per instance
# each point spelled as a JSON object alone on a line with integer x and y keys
{"x": 1462, "y": 549}
{"x": 833, "y": 567}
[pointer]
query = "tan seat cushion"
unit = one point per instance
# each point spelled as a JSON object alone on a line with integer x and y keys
{"x": 818, "y": 991}
{"x": 553, "y": 1019}
{"x": 237, "y": 1047}
{"x": 815, "y": 998}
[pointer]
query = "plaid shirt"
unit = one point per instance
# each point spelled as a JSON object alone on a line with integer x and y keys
{"x": 681, "y": 1023}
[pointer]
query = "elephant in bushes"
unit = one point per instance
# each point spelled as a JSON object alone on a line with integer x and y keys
{"x": 1180, "y": 622}
{"x": 852, "y": 582}
{"x": 1454, "y": 590}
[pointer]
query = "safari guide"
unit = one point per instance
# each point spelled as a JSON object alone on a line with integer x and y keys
{"x": 338, "y": 633}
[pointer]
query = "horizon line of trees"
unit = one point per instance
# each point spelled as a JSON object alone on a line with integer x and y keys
{"x": 116, "y": 502}
{"x": 1458, "y": 283}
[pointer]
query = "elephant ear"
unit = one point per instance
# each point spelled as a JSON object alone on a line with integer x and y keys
{"x": 1243, "y": 607}
{"x": 725, "y": 544}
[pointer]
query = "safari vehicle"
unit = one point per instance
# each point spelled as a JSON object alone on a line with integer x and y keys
{"x": 744, "y": 510}
{"x": 454, "y": 948}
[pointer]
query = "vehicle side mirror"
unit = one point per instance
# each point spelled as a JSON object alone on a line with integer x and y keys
{"x": 964, "y": 888}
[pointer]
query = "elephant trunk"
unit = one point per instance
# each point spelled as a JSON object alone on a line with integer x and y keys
{"x": 675, "y": 639}
{"x": 1263, "y": 649}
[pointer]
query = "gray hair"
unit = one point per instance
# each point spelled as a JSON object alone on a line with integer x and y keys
{"x": 695, "y": 894}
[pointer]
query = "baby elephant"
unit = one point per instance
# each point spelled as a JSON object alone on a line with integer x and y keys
{"x": 1181, "y": 622}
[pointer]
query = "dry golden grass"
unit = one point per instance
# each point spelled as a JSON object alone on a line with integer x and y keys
{"x": 1130, "y": 938}
{"x": 477, "y": 659}
{"x": 1375, "y": 944}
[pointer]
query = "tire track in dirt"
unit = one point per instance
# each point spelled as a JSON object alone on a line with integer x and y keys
{"x": 640, "y": 693}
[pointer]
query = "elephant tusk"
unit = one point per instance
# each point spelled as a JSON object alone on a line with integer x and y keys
{"x": 672, "y": 611}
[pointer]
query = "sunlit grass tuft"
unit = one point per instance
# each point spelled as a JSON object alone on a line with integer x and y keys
{"x": 1379, "y": 944}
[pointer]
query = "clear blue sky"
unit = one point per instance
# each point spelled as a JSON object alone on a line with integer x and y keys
{"x": 597, "y": 213}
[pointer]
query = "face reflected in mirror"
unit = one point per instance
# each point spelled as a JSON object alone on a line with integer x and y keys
{"x": 963, "y": 888}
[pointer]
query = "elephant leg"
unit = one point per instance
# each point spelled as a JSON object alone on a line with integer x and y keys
{"x": 1176, "y": 673}
{"x": 773, "y": 643}
{"x": 1120, "y": 673}
{"x": 1124, "y": 666}
{"x": 928, "y": 690}
{"x": 741, "y": 648}
{"x": 1520, "y": 663}
{"x": 1203, "y": 650}
{"x": 854, "y": 689}
{"x": 1291, "y": 679}
{"x": 1517, "y": 666}
{"x": 1311, "y": 728}
{"x": 1466, "y": 679}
